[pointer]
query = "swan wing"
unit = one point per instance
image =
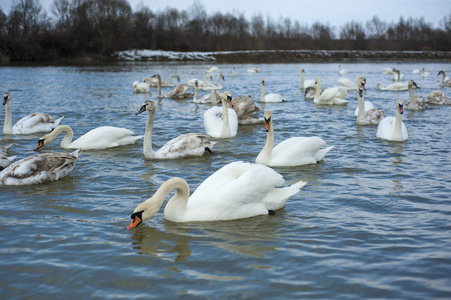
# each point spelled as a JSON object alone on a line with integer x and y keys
{"x": 309, "y": 83}
{"x": 39, "y": 168}
{"x": 368, "y": 106}
{"x": 191, "y": 144}
{"x": 386, "y": 129}
{"x": 213, "y": 122}
{"x": 237, "y": 190}
{"x": 347, "y": 83}
{"x": 297, "y": 151}
{"x": 36, "y": 122}
{"x": 244, "y": 105}
{"x": 105, "y": 137}
{"x": 273, "y": 98}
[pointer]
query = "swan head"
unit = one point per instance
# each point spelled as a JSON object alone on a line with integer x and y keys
{"x": 157, "y": 76}
{"x": 394, "y": 70}
{"x": 137, "y": 218}
{"x": 196, "y": 83}
{"x": 361, "y": 88}
{"x": 148, "y": 105}
{"x": 267, "y": 117}
{"x": 221, "y": 76}
{"x": 262, "y": 82}
{"x": 302, "y": 71}
{"x": 6, "y": 98}
{"x": 412, "y": 84}
{"x": 399, "y": 106}
{"x": 441, "y": 72}
{"x": 226, "y": 96}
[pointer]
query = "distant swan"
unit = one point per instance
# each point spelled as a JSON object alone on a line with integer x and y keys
{"x": 39, "y": 168}
{"x": 153, "y": 82}
{"x": 391, "y": 128}
{"x": 270, "y": 97}
{"x": 32, "y": 123}
{"x": 342, "y": 71}
{"x": 330, "y": 96}
{"x": 415, "y": 102}
{"x": 294, "y": 151}
{"x": 236, "y": 191}
{"x": 233, "y": 73}
{"x": 210, "y": 86}
{"x": 394, "y": 87}
{"x": 307, "y": 83}
{"x": 200, "y": 82}
{"x": 425, "y": 74}
{"x": 221, "y": 122}
{"x": 366, "y": 116}
{"x": 348, "y": 84}
{"x": 444, "y": 82}
{"x": 179, "y": 92}
{"x": 212, "y": 69}
{"x": 438, "y": 97}
{"x": 253, "y": 70}
{"x": 388, "y": 71}
{"x": 102, "y": 137}
{"x": 141, "y": 87}
{"x": 186, "y": 145}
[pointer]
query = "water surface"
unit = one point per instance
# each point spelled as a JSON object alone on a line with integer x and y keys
{"x": 372, "y": 222}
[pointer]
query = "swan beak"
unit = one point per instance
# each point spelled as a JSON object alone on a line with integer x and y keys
{"x": 142, "y": 109}
{"x": 40, "y": 145}
{"x": 136, "y": 220}
{"x": 267, "y": 124}
{"x": 5, "y": 99}
{"x": 229, "y": 99}
{"x": 401, "y": 110}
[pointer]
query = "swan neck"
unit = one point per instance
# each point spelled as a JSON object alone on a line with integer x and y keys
{"x": 147, "y": 143}
{"x": 318, "y": 89}
{"x": 196, "y": 93}
{"x": 302, "y": 80}
{"x": 262, "y": 96}
{"x": 410, "y": 91}
{"x": 159, "y": 87}
{"x": 66, "y": 141}
{"x": 442, "y": 80}
{"x": 225, "y": 119}
{"x": 361, "y": 112}
{"x": 8, "y": 124}
{"x": 265, "y": 155}
{"x": 397, "y": 134}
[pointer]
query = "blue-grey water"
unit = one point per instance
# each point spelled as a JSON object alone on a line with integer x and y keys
{"x": 374, "y": 220}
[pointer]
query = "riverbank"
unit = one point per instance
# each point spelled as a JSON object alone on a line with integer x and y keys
{"x": 283, "y": 56}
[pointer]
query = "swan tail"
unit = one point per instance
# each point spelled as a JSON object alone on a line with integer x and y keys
{"x": 322, "y": 153}
{"x": 76, "y": 153}
{"x": 279, "y": 196}
{"x": 57, "y": 121}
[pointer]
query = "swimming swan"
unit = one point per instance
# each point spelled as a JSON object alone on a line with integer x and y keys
{"x": 245, "y": 107}
{"x": 32, "y": 123}
{"x": 294, "y": 151}
{"x": 342, "y": 71}
{"x": 444, "y": 82}
{"x": 236, "y": 191}
{"x": 179, "y": 92}
{"x": 141, "y": 87}
{"x": 270, "y": 97}
{"x": 391, "y": 128}
{"x": 102, "y": 137}
{"x": 153, "y": 82}
{"x": 330, "y": 96}
{"x": 370, "y": 116}
{"x": 307, "y": 83}
{"x": 186, "y": 145}
{"x": 415, "y": 102}
{"x": 39, "y": 168}
{"x": 394, "y": 87}
{"x": 438, "y": 97}
{"x": 221, "y": 122}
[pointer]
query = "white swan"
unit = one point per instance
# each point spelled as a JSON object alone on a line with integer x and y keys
{"x": 200, "y": 82}
{"x": 399, "y": 75}
{"x": 153, "y": 82}
{"x": 32, "y": 123}
{"x": 253, "y": 70}
{"x": 212, "y": 69}
{"x": 360, "y": 81}
{"x": 330, "y": 96}
{"x": 307, "y": 83}
{"x": 348, "y": 84}
{"x": 245, "y": 107}
{"x": 444, "y": 82}
{"x": 342, "y": 71}
{"x": 211, "y": 87}
{"x": 102, "y": 137}
{"x": 236, "y": 191}
{"x": 186, "y": 145}
{"x": 294, "y": 151}
{"x": 233, "y": 73}
{"x": 39, "y": 168}
{"x": 221, "y": 122}
{"x": 141, "y": 87}
{"x": 415, "y": 102}
{"x": 438, "y": 97}
{"x": 388, "y": 71}
{"x": 416, "y": 71}
{"x": 179, "y": 92}
{"x": 391, "y": 128}
{"x": 425, "y": 74}
{"x": 270, "y": 97}
{"x": 366, "y": 116}
{"x": 394, "y": 87}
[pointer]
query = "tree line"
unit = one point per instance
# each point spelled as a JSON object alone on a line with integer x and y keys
{"x": 102, "y": 27}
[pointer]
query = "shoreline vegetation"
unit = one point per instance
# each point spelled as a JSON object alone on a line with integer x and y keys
{"x": 87, "y": 31}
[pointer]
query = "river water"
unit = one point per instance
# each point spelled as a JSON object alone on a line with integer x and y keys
{"x": 374, "y": 220}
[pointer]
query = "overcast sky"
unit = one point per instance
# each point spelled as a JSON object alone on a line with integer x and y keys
{"x": 334, "y": 12}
